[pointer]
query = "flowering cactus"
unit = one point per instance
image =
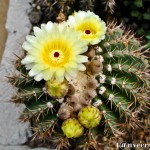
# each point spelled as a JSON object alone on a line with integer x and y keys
{"x": 77, "y": 78}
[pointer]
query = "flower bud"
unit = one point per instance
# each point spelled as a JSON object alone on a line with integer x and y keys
{"x": 65, "y": 112}
{"x": 72, "y": 128}
{"x": 89, "y": 116}
{"x": 57, "y": 89}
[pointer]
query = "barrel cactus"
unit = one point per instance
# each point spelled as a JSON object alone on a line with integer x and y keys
{"x": 81, "y": 81}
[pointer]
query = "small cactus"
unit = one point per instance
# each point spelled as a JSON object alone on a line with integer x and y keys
{"x": 103, "y": 97}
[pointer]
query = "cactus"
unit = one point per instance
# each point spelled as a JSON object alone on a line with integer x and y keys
{"x": 104, "y": 99}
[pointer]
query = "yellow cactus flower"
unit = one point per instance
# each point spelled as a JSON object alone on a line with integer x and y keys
{"x": 93, "y": 29}
{"x": 54, "y": 52}
{"x": 72, "y": 128}
{"x": 89, "y": 116}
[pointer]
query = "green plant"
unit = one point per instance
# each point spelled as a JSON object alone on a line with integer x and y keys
{"x": 116, "y": 82}
{"x": 124, "y": 81}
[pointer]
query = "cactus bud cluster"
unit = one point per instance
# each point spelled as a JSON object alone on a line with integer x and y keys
{"x": 88, "y": 117}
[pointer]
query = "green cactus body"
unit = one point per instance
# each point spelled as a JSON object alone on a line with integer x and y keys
{"x": 121, "y": 90}
{"x": 123, "y": 82}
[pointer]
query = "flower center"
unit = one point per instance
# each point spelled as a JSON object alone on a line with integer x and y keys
{"x": 56, "y": 56}
{"x": 87, "y": 31}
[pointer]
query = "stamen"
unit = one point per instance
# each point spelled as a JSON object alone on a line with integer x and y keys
{"x": 87, "y": 31}
{"x": 56, "y": 54}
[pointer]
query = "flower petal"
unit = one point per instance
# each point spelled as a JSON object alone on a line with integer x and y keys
{"x": 71, "y": 64}
{"x": 26, "y": 46}
{"x": 28, "y": 59}
{"x": 68, "y": 76}
{"x": 36, "y": 69}
{"x": 49, "y": 26}
{"x": 82, "y": 67}
{"x": 30, "y": 38}
{"x": 39, "y": 77}
{"x": 37, "y": 31}
{"x": 48, "y": 74}
{"x": 82, "y": 59}
{"x": 72, "y": 72}
{"x": 59, "y": 74}
{"x": 29, "y": 66}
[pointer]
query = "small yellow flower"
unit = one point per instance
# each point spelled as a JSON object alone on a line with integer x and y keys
{"x": 54, "y": 52}
{"x": 72, "y": 128}
{"x": 92, "y": 27}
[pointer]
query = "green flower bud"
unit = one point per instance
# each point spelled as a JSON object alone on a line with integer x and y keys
{"x": 57, "y": 89}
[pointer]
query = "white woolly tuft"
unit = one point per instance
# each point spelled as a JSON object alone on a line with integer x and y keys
{"x": 97, "y": 103}
{"x": 111, "y": 97}
{"x": 102, "y": 78}
{"x": 113, "y": 81}
{"x": 102, "y": 90}
{"x": 109, "y": 67}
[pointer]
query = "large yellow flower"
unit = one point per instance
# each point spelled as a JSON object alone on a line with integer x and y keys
{"x": 54, "y": 52}
{"x": 92, "y": 27}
